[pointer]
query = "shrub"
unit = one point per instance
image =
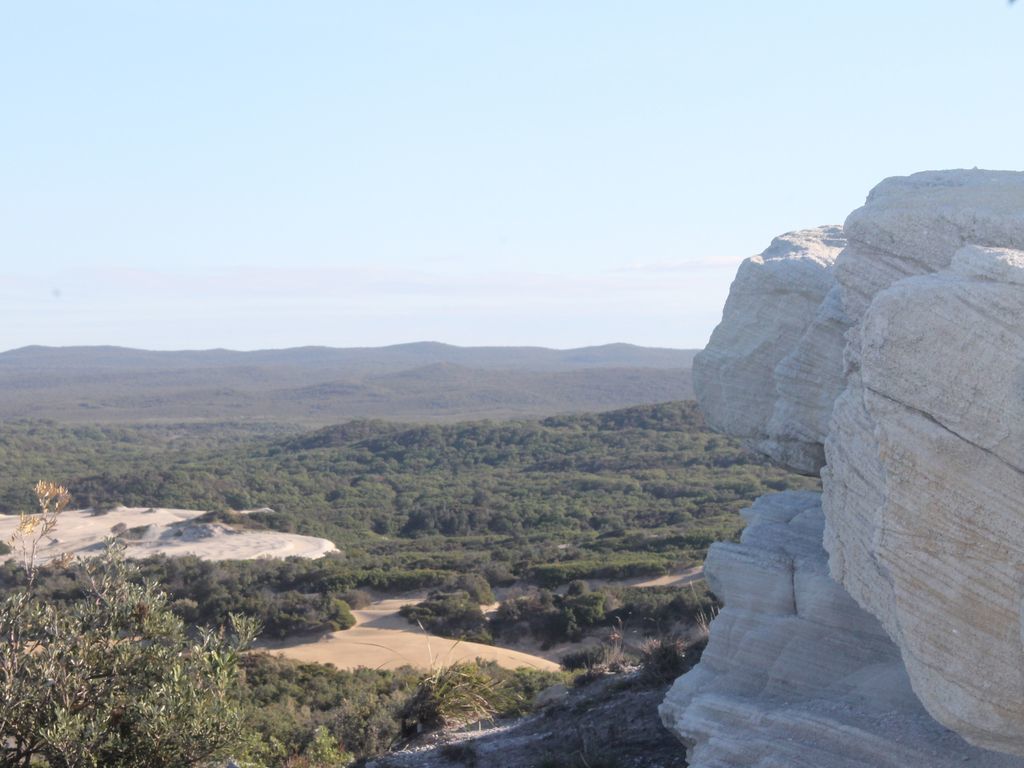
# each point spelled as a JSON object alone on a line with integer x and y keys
{"x": 455, "y": 615}
{"x": 452, "y": 695}
{"x": 287, "y": 701}
{"x": 609, "y": 658}
{"x": 323, "y": 751}
{"x": 357, "y": 598}
{"x": 664, "y": 658}
{"x": 521, "y": 686}
{"x": 111, "y": 679}
{"x": 474, "y": 585}
{"x": 339, "y": 615}
{"x": 585, "y": 658}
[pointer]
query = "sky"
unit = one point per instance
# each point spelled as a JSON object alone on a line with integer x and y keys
{"x": 252, "y": 174}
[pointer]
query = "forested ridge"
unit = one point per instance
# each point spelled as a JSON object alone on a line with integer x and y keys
{"x": 458, "y": 509}
{"x": 625, "y": 493}
{"x": 628, "y": 492}
{"x": 317, "y": 386}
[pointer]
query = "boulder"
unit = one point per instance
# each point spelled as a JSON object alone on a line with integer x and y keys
{"x": 774, "y": 317}
{"x": 796, "y": 674}
{"x": 924, "y": 488}
{"x": 907, "y": 379}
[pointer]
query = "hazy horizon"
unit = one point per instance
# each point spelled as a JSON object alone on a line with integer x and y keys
{"x": 249, "y": 175}
{"x": 412, "y": 343}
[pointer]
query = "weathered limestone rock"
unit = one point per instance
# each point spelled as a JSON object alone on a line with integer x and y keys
{"x": 796, "y": 674}
{"x": 775, "y": 302}
{"x": 913, "y": 225}
{"x": 925, "y": 487}
{"x": 807, "y": 382}
{"x": 912, "y": 365}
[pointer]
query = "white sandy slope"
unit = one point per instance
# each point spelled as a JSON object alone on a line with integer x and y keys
{"x": 383, "y": 639}
{"x": 168, "y": 532}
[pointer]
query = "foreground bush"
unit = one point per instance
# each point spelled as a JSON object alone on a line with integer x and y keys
{"x": 452, "y": 695}
{"x": 665, "y": 658}
{"x": 111, "y": 679}
{"x": 455, "y": 615}
{"x": 289, "y": 702}
{"x": 295, "y": 706}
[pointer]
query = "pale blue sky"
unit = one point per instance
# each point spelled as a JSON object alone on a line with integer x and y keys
{"x": 263, "y": 174}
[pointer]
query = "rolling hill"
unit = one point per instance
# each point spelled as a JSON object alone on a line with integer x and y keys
{"x": 424, "y": 381}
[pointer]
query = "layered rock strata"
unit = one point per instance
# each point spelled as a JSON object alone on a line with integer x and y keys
{"x": 919, "y": 343}
{"x": 796, "y": 674}
{"x": 924, "y": 488}
{"x": 777, "y": 322}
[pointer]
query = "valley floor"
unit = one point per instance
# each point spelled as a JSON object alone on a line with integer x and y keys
{"x": 383, "y": 639}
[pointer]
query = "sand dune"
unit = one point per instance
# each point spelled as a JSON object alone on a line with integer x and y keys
{"x": 383, "y": 639}
{"x": 154, "y": 531}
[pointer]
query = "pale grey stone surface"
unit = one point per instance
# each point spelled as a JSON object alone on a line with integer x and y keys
{"x": 924, "y": 491}
{"x": 796, "y": 674}
{"x": 911, "y": 371}
{"x": 774, "y": 303}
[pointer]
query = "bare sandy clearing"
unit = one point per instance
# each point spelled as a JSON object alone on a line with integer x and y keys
{"x": 675, "y": 579}
{"x": 155, "y": 531}
{"x": 383, "y": 639}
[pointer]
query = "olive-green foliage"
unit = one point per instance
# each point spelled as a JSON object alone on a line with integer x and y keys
{"x": 664, "y": 658}
{"x": 323, "y": 751}
{"x": 280, "y": 597}
{"x": 555, "y": 618}
{"x": 522, "y": 685}
{"x": 453, "y": 614}
{"x": 609, "y": 495}
{"x": 653, "y": 610}
{"x": 360, "y": 711}
{"x": 551, "y": 617}
{"x": 112, "y": 679}
{"x": 620, "y": 565}
{"x": 288, "y": 702}
{"x": 452, "y": 695}
{"x": 474, "y": 585}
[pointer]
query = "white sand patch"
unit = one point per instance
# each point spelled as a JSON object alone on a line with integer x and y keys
{"x": 383, "y": 639}
{"x": 155, "y": 531}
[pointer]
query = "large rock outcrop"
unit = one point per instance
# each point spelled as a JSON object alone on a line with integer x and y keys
{"x": 796, "y": 675}
{"x": 919, "y": 342}
{"x": 924, "y": 489}
{"x": 781, "y": 320}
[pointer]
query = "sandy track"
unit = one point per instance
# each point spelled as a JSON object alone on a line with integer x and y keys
{"x": 676, "y": 579}
{"x": 383, "y": 639}
{"x": 167, "y": 532}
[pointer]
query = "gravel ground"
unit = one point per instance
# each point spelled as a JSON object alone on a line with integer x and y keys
{"x": 610, "y": 723}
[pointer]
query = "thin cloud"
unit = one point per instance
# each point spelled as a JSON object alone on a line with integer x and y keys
{"x": 366, "y": 282}
{"x": 668, "y": 267}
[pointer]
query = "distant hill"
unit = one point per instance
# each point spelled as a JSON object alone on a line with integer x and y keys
{"x": 424, "y": 381}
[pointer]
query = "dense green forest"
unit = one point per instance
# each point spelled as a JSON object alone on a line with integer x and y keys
{"x": 317, "y": 386}
{"x": 552, "y": 617}
{"x": 365, "y": 710}
{"x": 630, "y": 492}
{"x": 459, "y": 509}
